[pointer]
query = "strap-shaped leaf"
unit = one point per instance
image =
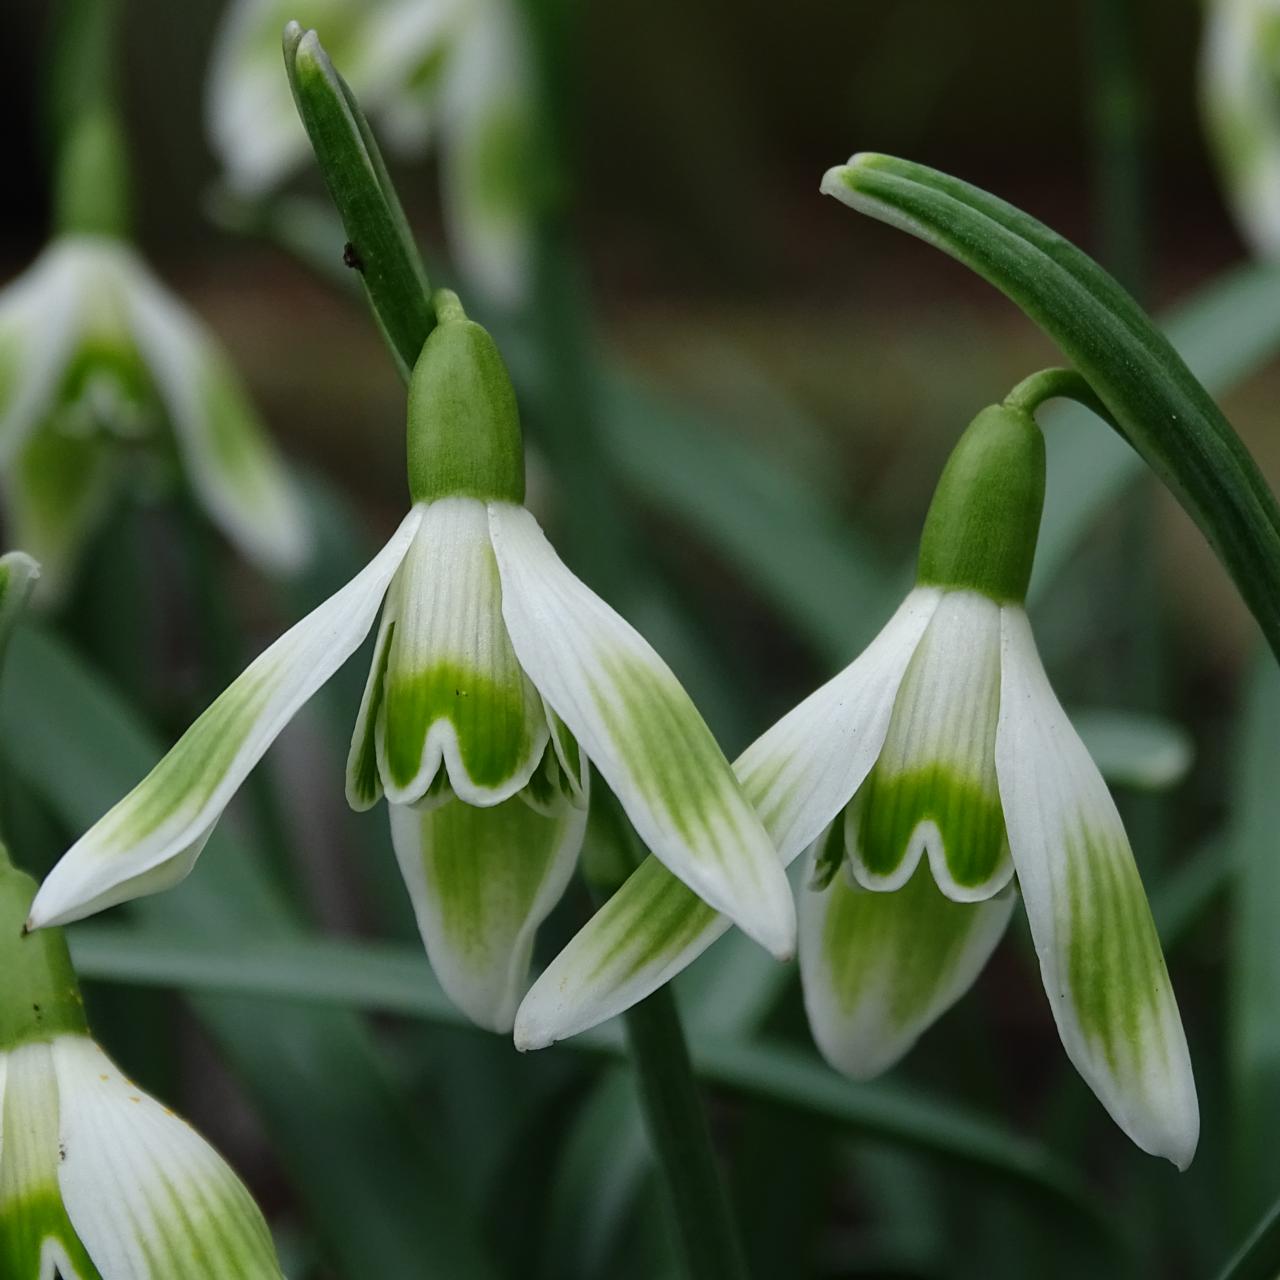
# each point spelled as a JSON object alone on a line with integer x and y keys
{"x": 380, "y": 246}
{"x": 1157, "y": 403}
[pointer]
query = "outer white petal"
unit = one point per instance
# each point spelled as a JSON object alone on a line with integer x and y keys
{"x": 637, "y": 725}
{"x": 879, "y": 968}
{"x": 149, "y": 840}
{"x": 454, "y": 691}
{"x": 482, "y": 881}
{"x": 149, "y": 1198}
{"x": 933, "y": 790}
{"x": 798, "y": 776}
{"x": 232, "y": 464}
{"x": 1100, "y": 957}
{"x": 1242, "y": 113}
{"x": 486, "y": 152}
{"x": 37, "y": 1240}
{"x": 39, "y": 327}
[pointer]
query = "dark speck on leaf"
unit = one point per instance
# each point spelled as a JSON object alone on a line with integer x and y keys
{"x": 351, "y": 257}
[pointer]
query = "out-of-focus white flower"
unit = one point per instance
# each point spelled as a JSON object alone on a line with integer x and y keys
{"x": 456, "y": 70}
{"x": 99, "y": 360}
{"x": 1240, "y": 96}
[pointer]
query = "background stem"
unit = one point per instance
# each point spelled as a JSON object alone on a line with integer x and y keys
{"x": 1118, "y": 119}
{"x": 678, "y": 1127}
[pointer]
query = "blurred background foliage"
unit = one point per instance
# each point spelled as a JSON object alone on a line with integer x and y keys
{"x": 771, "y": 388}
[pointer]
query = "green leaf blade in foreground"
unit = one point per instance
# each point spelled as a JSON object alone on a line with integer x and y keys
{"x": 386, "y": 978}
{"x": 1157, "y": 403}
{"x": 380, "y": 245}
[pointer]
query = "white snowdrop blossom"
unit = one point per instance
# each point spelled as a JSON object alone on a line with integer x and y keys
{"x": 98, "y": 1181}
{"x": 98, "y": 361}
{"x": 923, "y": 782}
{"x": 497, "y": 676}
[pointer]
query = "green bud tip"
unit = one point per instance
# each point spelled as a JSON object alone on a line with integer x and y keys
{"x": 40, "y": 997}
{"x": 464, "y": 427}
{"x": 980, "y": 533}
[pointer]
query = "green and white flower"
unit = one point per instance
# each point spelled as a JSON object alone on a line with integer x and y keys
{"x": 99, "y": 360}
{"x": 1240, "y": 98}
{"x": 497, "y": 675}
{"x": 453, "y": 70}
{"x": 98, "y": 1181}
{"x": 923, "y": 781}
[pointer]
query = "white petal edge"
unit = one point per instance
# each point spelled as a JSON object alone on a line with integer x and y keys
{"x": 252, "y": 498}
{"x": 1051, "y": 789}
{"x": 149, "y": 1198}
{"x": 483, "y": 962}
{"x": 798, "y": 775}
{"x": 637, "y": 725}
{"x": 40, "y": 314}
{"x": 903, "y": 959}
{"x": 170, "y": 813}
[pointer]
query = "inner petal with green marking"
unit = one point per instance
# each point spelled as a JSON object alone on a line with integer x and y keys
{"x": 454, "y": 694}
{"x": 36, "y": 1236}
{"x": 933, "y": 790}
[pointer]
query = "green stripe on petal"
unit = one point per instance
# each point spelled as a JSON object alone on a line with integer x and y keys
{"x": 638, "y": 727}
{"x": 149, "y": 1198}
{"x": 933, "y": 788}
{"x": 1100, "y": 958}
{"x": 35, "y": 1232}
{"x": 454, "y": 690}
{"x": 481, "y": 881}
{"x": 798, "y": 776}
{"x": 150, "y": 839}
{"x": 880, "y": 968}
{"x": 231, "y": 463}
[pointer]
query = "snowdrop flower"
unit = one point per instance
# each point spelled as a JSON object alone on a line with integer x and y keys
{"x": 458, "y": 68}
{"x": 97, "y": 358}
{"x": 924, "y": 781}
{"x": 1240, "y": 97}
{"x": 497, "y": 675}
{"x": 98, "y": 1181}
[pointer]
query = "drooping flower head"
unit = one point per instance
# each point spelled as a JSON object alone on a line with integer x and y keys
{"x": 1240, "y": 97}
{"x": 497, "y": 678}
{"x": 925, "y": 781}
{"x": 453, "y": 71}
{"x": 101, "y": 369}
{"x": 98, "y": 1181}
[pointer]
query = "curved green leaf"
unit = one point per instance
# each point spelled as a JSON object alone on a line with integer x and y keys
{"x": 1156, "y": 401}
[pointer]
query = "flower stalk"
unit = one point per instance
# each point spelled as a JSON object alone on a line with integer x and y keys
{"x": 674, "y": 1115}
